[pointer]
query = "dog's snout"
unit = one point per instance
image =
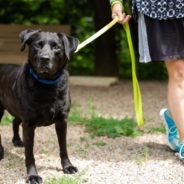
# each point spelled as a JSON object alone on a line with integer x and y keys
{"x": 44, "y": 58}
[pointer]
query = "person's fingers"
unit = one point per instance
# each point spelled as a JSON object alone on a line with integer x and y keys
{"x": 123, "y": 18}
{"x": 119, "y": 14}
{"x": 126, "y": 19}
{"x": 114, "y": 15}
{"x": 117, "y": 10}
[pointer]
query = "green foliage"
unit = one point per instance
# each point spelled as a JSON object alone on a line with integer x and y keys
{"x": 152, "y": 71}
{"x": 68, "y": 179}
{"x": 99, "y": 143}
{"x": 157, "y": 129}
{"x": 7, "y": 119}
{"x": 31, "y": 11}
{"x": 110, "y": 127}
{"x": 143, "y": 156}
{"x": 75, "y": 116}
{"x": 149, "y": 71}
{"x": 128, "y": 6}
{"x": 64, "y": 180}
{"x": 81, "y": 19}
{"x": 99, "y": 126}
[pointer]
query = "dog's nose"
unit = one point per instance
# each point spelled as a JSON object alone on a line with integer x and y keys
{"x": 44, "y": 58}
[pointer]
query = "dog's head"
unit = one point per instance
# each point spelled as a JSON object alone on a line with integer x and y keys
{"x": 48, "y": 52}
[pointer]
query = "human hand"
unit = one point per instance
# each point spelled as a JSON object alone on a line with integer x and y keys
{"x": 117, "y": 10}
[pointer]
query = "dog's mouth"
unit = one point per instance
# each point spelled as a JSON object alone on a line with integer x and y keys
{"x": 46, "y": 73}
{"x": 46, "y": 69}
{"x": 43, "y": 71}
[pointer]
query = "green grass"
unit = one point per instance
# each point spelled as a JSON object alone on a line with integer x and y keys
{"x": 99, "y": 126}
{"x": 143, "y": 156}
{"x": 6, "y": 119}
{"x": 157, "y": 129}
{"x": 99, "y": 143}
{"x": 110, "y": 127}
{"x": 63, "y": 180}
{"x": 75, "y": 116}
{"x": 67, "y": 179}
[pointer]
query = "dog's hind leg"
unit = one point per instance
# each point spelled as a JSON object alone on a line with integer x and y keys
{"x": 1, "y": 147}
{"x": 17, "y": 142}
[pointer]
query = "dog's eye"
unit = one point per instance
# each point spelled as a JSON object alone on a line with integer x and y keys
{"x": 39, "y": 45}
{"x": 55, "y": 46}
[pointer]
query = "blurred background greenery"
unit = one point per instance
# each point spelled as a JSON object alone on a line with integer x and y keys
{"x": 107, "y": 56}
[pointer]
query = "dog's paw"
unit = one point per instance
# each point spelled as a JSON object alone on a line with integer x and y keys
{"x": 34, "y": 179}
{"x": 70, "y": 169}
{"x": 1, "y": 153}
{"x": 17, "y": 143}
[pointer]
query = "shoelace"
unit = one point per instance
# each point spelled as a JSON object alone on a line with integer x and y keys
{"x": 181, "y": 153}
{"x": 173, "y": 130}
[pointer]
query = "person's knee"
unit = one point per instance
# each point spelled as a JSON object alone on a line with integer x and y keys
{"x": 176, "y": 70}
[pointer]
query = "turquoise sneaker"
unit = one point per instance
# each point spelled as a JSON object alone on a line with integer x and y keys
{"x": 171, "y": 130}
{"x": 181, "y": 151}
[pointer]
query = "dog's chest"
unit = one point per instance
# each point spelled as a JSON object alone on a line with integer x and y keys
{"x": 46, "y": 114}
{"x": 45, "y": 110}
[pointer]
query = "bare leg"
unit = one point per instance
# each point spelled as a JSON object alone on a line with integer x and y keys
{"x": 176, "y": 93}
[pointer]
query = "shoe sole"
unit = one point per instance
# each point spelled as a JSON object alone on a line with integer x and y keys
{"x": 167, "y": 130}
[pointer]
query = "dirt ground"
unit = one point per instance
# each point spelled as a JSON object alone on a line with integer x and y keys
{"x": 142, "y": 160}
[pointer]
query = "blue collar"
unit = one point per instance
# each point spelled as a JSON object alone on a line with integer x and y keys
{"x": 44, "y": 81}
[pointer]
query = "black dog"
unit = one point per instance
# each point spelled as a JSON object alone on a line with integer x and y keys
{"x": 37, "y": 93}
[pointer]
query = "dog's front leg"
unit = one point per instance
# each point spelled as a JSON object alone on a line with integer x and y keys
{"x": 1, "y": 150}
{"x": 28, "y": 138}
{"x": 61, "y": 130}
{"x": 16, "y": 138}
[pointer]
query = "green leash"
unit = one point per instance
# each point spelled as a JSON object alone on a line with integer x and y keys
{"x": 136, "y": 88}
{"x": 97, "y": 34}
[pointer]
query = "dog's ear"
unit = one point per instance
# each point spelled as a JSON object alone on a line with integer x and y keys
{"x": 26, "y": 36}
{"x": 70, "y": 44}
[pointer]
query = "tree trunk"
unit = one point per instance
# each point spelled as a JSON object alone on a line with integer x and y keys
{"x": 105, "y": 49}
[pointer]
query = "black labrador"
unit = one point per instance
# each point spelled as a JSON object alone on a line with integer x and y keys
{"x": 37, "y": 93}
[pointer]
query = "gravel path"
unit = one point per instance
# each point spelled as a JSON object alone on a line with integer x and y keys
{"x": 142, "y": 160}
